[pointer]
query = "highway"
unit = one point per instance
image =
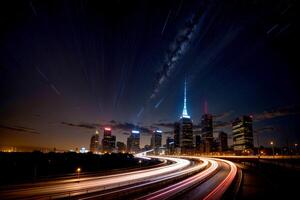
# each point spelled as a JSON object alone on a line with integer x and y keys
{"x": 210, "y": 183}
{"x": 198, "y": 177}
{"x": 76, "y": 186}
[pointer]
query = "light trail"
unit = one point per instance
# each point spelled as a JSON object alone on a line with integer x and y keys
{"x": 182, "y": 185}
{"x": 200, "y": 178}
{"x": 170, "y": 176}
{"x": 224, "y": 185}
{"x": 103, "y": 182}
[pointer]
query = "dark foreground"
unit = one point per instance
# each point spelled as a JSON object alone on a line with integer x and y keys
{"x": 31, "y": 167}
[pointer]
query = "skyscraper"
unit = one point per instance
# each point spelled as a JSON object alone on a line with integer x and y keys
{"x": 121, "y": 146}
{"x": 156, "y": 140}
{"x": 242, "y": 133}
{"x": 207, "y": 132}
{"x": 133, "y": 141}
{"x": 183, "y": 130}
{"x": 170, "y": 145}
{"x": 223, "y": 140}
{"x": 108, "y": 141}
{"x": 94, "y": 145}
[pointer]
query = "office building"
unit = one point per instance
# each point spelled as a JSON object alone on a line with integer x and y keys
{"x": 207, "y": 132}
{"x": 156, "y": 139}
{"x": 242, "y": 133}
{"x": 223, "y": 141}
{"x": 94, "y": 145}
{"x": 121, "y": 147}
{"x": 108, "y": 141}
{"x": 170, "y": 145}
{"x": 133, "y": 141}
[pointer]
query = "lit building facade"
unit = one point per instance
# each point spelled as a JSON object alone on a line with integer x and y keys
{"x": 156, "y": 139}
{"x": 94, "y": 145}
{"x": 170, "y": 145}
{"x": 242, "y": 133}
{"x": 108, "y": 141}
{"x": 133, "y": 141}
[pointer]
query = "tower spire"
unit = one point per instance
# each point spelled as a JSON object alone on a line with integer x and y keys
{"x": 184, "y": 111}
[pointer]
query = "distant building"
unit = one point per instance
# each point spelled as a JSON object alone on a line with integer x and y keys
{"x": 183, "y": 131}
{"x": 133, "y": 141}
{"x": 108, "y": 141}
{"x": 177, "y": 135}
{"x": 223, "y": 140}
{"x": 242, "y": 133}
{"x": 170, "y": 145}
{"x": 156, "y": 140}
{"x": 147, "y": 147}
{"x": 94, "y": 145}
{"x": 121, "y": 147}
{"x": 198, "y": 144}
{"x": 207, "y": 132}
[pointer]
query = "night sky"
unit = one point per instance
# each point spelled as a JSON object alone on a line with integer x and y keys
{"x": 69, "y": 67}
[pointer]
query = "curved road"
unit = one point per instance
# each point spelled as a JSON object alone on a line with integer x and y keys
{"x": 70, "y": 187}
{"x": 210, "y": 183}
{"x": 205, "y": 179}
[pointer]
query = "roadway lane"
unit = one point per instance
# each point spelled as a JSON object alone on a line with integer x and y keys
{"x": 207, "y": 189}
{"x": 133, "y": 191}
{"x": 96, "y": 184}
{"x": 207, "y": 184}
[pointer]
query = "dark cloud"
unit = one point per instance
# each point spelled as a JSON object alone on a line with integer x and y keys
{"x": 124, "y": 126}
{"x": 223, "y": 115}
{"x": 126, "y": 133}
{"x": 264, "y": 129}
{"x": 221, "y": 124}
{"x": 277, "y": 112}
{"x": 165, "y": 124}
{"x": 19, "y": 129}
{"x": 81, "y": 125}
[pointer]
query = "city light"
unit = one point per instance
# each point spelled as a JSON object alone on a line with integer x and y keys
{"x": 135, "y": 131}
{"x": 107, "y": 128}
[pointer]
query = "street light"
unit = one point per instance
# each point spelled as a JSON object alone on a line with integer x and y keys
{"x": 78, "y": 172}
{"x": 272, "y": 143}
{"x": 140, "y": 162}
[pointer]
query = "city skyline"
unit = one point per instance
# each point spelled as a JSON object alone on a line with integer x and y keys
{"x": 70, "y": 68}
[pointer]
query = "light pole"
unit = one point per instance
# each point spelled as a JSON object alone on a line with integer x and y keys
{"x": 140, "y": 162}
{"x": 272, "y": 143}
{"x": 78, "y": 172}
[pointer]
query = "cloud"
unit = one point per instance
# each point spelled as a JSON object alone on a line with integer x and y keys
{"x": 223, "y": 115}
{"x": 123, "y": 126}
{"x": 264, "y": 129}
{"x": 81, "y": 125}
{"x": 221, "y": 124}
{"x": 277, "y": 112}
{"x": 165, "y": 124}
{"x": 19, "y": 129}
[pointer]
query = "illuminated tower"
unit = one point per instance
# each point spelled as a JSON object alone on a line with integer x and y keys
{"x": 184, "y": 111}
{"x": 183, "y": 130}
